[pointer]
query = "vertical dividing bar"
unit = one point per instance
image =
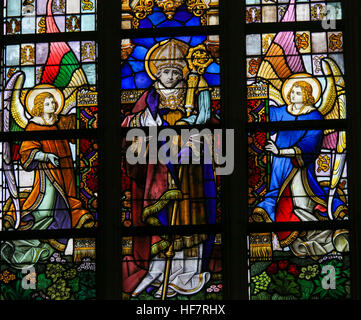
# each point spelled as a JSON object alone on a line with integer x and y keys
{"x": 108, "y": 240}
{"x": 235, "y": 187}
{"x": 351, "y": 14}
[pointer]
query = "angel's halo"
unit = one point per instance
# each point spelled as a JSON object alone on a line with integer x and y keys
{"x": 41, "y": 88}
{"x": 289, "y": 82}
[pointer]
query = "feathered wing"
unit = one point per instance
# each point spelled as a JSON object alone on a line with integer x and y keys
{"x": 62, "y": 68}
{"x": 275, "y": 95}
{"x": 333, "y": 107}
{"x": 281, "y": 60}
{"x": 13, "y": 111}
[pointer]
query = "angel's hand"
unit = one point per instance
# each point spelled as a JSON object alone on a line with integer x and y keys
{"x": 54, "y": 159}
{"x": 271, "y": 147}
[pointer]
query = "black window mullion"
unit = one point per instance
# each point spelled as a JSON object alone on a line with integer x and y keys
{"x": 352, "y": 11}
{"x": 51, "y": 37}
{"x": 234, "y": 188}
{"x": 108, "y": 240}
{"x": 275, "y": 27}
{"x": 48, "y": 234}
{"x": 297, "y": 226}
{"x": 341, "y": 124}
{"x": 170, "y": 31}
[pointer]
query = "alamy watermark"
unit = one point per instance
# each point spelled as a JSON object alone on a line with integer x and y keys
{"x": 329, "y": 280}
{"x": 331, "y": 14}
{"x": 29, "y": 279}
{"x": 191, "y": 146}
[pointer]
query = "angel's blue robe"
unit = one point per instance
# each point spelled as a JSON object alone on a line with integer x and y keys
{"x": 308, "y": 144}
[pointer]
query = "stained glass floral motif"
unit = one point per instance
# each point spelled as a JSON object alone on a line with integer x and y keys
{"x": 48, "y": 271}
{"x": 302, "y": 270}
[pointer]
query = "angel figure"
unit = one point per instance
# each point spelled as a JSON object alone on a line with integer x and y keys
{"x": 52, "y": 202}
{"x": 295, "y": 193}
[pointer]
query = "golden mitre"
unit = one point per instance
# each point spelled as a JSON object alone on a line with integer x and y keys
{"x": 169, "y": 53}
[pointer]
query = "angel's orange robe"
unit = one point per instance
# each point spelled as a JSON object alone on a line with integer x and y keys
{"x": 62, "y": 178}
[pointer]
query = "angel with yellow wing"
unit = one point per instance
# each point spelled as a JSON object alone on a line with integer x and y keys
{"x": 52, "y": 202}
{"x": 295, "y": 192}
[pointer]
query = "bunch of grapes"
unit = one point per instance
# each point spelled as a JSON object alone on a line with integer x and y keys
{"x": 59, "y": 291}
{"x": 54, "y": 271}
{"x": 70, "y": 274}
{"x": 261, "y": 282}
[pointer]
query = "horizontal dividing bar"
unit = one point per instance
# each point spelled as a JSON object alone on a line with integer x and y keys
{"x": 170, "y": 31}
{"x": 36, "y": 65}
{"x": 125, "y": 34}
{"x": 256, "y": 79}
{"x": 178, "y": 128}
{"x": 140, "y": 91}
{"x": 288, "y": 197}
{"x": 49, "y": 135}
{"x": 339, "y": 124}
{"x": 173, "y": 259}
{"x": 51, "y": 37}
{"x": 48, "y": 234}
{"x": 256, "y": 227}
{"x": 168, "y": 230}
{"x": 275, "y": 27}
{"x": 185, "y": 198}
{"x": 145, "y": 59}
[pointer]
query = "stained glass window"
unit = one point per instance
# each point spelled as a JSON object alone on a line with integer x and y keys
{"x": 91, "y": 208}
{"x": 170, "y": 194}
{"x": 297, "y": 172}
{"x": 141, "y": 14}
{"x": 49, "y": 159}
{"x": 170, "y": 81}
